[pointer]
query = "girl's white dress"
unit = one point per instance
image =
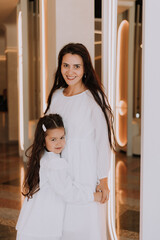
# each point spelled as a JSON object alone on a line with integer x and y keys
{"x": 42, "y": 216}
{"x": 88, "y": 154}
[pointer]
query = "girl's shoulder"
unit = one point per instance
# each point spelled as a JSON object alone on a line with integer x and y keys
{"x": 52, "y": 161}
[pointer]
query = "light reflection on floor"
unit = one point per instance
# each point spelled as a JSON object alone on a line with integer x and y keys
{"x": 127, "y": 193}
{"x": 127, "y": 196}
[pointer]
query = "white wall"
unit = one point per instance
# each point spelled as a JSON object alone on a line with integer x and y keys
{"x": 75, "y": 23}
{"x": 150, "y": 166}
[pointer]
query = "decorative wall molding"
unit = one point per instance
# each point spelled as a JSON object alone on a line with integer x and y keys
{"x": 12, "y": 49}
{"x": 2, "y": 57}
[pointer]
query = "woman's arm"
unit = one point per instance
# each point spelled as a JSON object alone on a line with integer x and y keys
{"x": 104, "y": 152}
{"x": 103, "y": 187}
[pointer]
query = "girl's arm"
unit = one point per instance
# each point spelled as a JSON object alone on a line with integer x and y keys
{"x": 70, "y": 190}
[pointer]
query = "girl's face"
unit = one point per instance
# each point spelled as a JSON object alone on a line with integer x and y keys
{"x": 55, "y": 140}
{"x": 72, "y": 69}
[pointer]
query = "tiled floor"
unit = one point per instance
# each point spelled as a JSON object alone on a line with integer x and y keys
{"x": 11, "y": 175}
{"x": 127, "y": 193}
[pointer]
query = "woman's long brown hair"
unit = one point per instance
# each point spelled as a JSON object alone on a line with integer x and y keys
{"x": 91, "y": 82}
{"x": 35, "y": 152}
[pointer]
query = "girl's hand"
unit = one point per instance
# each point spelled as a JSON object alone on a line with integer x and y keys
{"x": 103, "y": 187}
{"x": 97, "y": 196}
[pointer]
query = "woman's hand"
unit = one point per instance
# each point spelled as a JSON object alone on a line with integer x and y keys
{"x": 103, "y": 187}
{"x": 97, "y": 196}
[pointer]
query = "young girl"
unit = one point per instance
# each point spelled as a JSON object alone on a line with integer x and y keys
{"x": 47, "y": 185}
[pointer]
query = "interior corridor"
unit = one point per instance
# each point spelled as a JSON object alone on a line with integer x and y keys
{"x": 127, "y": 193}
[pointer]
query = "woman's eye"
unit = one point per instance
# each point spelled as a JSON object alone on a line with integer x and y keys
{"x": 65, "y": 65}
{"x": 77, "y": 66}
{"x": 62, "y": 137}
{"x": 53, "y": 140}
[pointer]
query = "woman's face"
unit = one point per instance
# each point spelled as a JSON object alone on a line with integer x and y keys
{"x": 72, "y": 69}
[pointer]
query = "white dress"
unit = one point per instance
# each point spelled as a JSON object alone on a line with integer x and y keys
{"x": 88, "y": 154}
{"x": 42, "y": 216}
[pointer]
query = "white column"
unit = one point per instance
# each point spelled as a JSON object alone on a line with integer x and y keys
{"x": 24, "y": 8}
{"x": 23, "y": 80}
{"x": 150, "y": 164}
{"x": 109, "y": 37}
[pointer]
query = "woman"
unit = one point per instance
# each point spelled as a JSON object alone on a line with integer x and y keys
{"x": 78, "y": 97}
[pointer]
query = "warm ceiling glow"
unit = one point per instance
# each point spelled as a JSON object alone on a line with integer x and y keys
{"x": 6, "y": 8}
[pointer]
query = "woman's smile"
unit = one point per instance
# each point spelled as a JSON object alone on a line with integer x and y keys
{"x": 70, "y": 77}
{"x": 72, "y": 69}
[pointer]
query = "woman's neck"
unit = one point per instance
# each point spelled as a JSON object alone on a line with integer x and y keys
{"x": 74, "y": 90}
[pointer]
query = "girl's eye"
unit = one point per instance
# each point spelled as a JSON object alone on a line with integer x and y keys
{"x": 62, "y": 137}
{"x": 65, "y": 65}
{"x": 53, "y": 140}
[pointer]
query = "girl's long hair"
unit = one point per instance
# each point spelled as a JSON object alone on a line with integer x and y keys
{"x": 91, "y": 82}
{"x": 35, "y": 152}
